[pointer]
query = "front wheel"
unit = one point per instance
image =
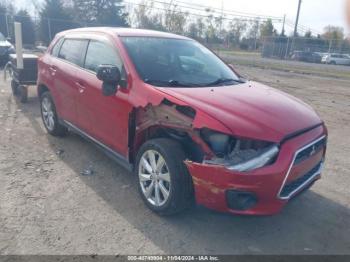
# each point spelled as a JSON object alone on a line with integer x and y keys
{"x": 164, "y": 182}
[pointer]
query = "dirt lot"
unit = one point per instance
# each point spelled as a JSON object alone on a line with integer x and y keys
{"x": 49, "y": 207}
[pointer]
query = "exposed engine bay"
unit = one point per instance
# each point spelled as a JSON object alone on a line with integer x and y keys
{"x": 239, "y": 154}
{"x": 205, "y": 145}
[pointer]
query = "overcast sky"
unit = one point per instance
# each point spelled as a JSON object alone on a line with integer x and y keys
{"x": 315, "y": 14}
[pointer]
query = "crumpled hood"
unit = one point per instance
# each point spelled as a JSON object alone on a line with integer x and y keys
{"x": 250, "y": 110}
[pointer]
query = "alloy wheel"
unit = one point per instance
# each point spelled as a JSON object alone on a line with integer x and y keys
{"x": 48, "y": 113}
{"x": 154, "y": 178}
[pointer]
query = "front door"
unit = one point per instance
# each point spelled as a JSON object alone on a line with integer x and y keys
{"x": 104, "y": 118}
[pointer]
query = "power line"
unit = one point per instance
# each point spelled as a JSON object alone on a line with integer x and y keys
{"x": 304, "y": 27}
{"x": 229, "y": 11}
{"x": 250, "y": 18}
{"x": 246, "y": 19}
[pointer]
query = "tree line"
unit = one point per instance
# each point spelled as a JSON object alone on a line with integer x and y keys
{"x": 57, "y": 15}
{"x": 209, "y": 27}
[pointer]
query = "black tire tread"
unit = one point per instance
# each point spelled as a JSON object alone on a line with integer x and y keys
{"x": 59, "y": 130}
{"x": 23, "y": 94}
{"x": 172, "y": 151}
{"x": 14, "y": 87}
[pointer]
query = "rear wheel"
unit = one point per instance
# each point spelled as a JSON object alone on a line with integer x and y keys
{"x": 164, "y": 182}
{"x": 49, "y": 116}
{"x": 333, "y": 63}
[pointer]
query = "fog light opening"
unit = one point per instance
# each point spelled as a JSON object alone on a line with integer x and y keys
{"x": 241, "y": 201}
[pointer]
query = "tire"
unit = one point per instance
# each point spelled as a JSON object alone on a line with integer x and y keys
{"x": 180, "y": 187}
{"x": 14, "y": 87}
{"x": 333, "y": 63}
{"x": 23, "y": 94}
{"x": 49, "y": 116}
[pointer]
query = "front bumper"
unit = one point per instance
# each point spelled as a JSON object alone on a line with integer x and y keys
{"x": 213, "y": 182}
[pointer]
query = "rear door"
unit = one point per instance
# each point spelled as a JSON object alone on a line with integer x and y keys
{"x": 64, "y": 70}
{"x": 104, "y": 118}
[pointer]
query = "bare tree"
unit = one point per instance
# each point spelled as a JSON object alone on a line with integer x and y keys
{"x": 145, "y": 17}
{"x": 237, "y": 29}
{"x": 174, "y": 19}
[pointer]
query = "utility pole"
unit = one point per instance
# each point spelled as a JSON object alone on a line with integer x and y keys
{"x": 7, "y": 26}
{"x": 49, "y": 27}
{"x": 297, "y": 20}
{"x": 222, "y": 17}
{"x": 283, "y": 26}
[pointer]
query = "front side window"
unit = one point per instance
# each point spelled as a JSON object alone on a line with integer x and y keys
{"x": 172, "y": 62}
{"x": 100, "y": 53}
{"x": 55, "y": 50}
{"x": 73, "y": 50}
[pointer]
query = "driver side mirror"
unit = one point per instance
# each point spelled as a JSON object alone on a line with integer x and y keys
{"x": 111, "y": 77}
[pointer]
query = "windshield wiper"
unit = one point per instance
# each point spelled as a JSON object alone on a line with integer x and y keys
{"x": 170, "y": 83}
{"x": 176, "y": 83}
{"x": 224, "y": 81}
{"x": 156, "y": 82}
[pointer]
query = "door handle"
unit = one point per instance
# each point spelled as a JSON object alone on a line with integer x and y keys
{"x": 53, "y": 70}
{"x": 81, "y": 87}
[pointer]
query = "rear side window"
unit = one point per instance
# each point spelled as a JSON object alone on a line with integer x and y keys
{"x": 56, "y": 48}
{"x": 73, "y": 50}
{"x": 99, "y": 53}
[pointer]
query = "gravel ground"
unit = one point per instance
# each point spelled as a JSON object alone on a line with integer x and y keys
{"x": 48, "y": 207}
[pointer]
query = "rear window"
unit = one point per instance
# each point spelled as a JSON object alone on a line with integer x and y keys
{"x": 73, "y": 50}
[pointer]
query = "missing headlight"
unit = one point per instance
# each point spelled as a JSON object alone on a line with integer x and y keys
{"x": 239, "y": 154}
{"x": 218, "y": 142}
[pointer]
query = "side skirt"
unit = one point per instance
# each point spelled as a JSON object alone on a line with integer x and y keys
{"x": 118, "y": 158}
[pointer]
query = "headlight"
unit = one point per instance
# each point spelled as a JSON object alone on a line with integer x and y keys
{"x": 265, "y": 157}
{"x": 239, "y": 154}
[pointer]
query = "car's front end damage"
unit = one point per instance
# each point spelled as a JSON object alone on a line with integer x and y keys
{"x": 232, "y": 172}
{"x": 261, "y": 190}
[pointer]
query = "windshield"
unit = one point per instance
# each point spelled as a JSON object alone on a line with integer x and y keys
{"x": 177, "y": 63}
{"x": 2, "y": 38}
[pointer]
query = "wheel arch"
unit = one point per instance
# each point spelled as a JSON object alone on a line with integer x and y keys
{"x": 193, "y": 150}
{"x": 42, "y": 88}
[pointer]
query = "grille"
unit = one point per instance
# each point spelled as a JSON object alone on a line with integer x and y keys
{"x": 310, "y": 151}
{"x": 287, "y": 190}
{"x": 303, "y": 181}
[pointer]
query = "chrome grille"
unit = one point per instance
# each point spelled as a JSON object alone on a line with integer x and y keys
{"x": 292, "y": 187}
{"x": 310, "y": 151}
{"x": 288, "y": 190}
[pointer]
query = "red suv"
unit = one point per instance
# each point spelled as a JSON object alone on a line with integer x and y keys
{"x": 189, "y": 126}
